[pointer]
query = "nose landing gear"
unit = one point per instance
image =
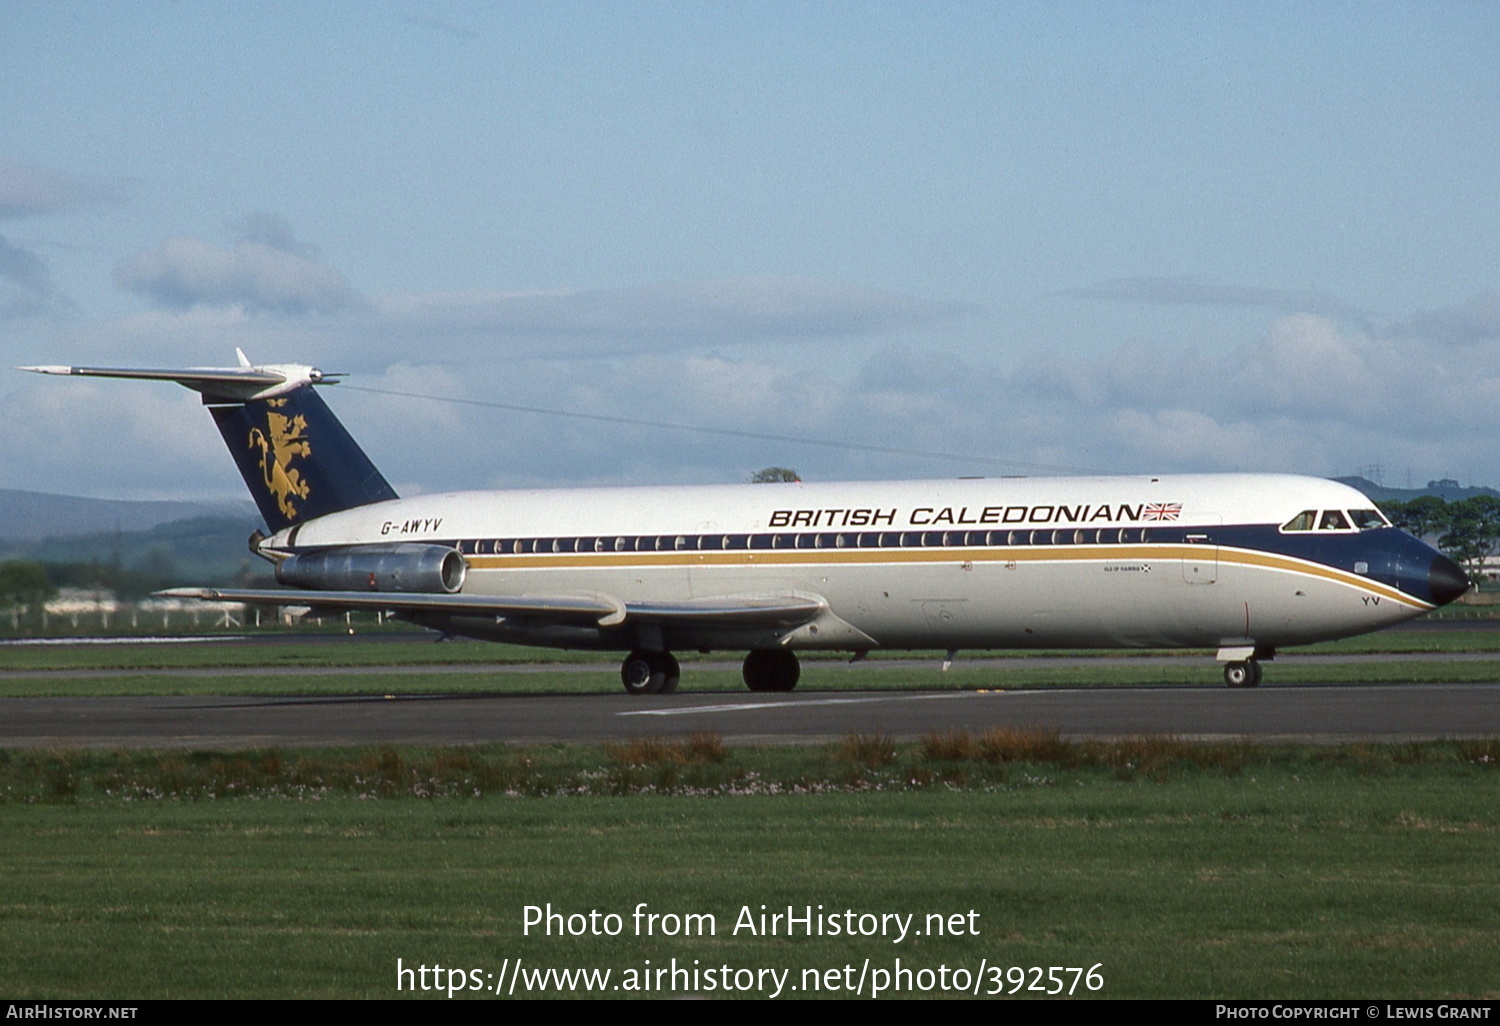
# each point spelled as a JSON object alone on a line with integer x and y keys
{"x": 1244, "y": 674}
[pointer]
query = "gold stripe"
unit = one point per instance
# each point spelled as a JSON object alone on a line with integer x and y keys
{"x": 857, "y": 556}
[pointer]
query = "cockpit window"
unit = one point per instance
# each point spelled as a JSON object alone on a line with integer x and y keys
{"x": 1368, "y": 519}
{"x": 1333, "y": 520}
{"x": 1302, "y": 521}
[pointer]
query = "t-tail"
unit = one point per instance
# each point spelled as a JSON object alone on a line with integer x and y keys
{"x": 296, "y": 458}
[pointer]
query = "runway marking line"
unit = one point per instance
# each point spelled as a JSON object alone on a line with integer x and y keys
{"x": 788, "y": 704}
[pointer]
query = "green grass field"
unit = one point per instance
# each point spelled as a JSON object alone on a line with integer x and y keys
{"x": 1186, "y": 871}
{"x": 417, "y": 666}
{"x": 418, "y": 649}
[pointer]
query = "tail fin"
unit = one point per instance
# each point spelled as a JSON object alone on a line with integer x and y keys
{"x": 297, "y": 459}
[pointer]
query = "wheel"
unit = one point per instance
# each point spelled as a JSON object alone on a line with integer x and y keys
{"x": 673, "y": 673}
{"x": 1242, "y": 675}
{"x": 771, "y": 670}
{"x": 646, "y": 673}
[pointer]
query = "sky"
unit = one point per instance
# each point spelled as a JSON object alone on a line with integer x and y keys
{"x": 941, "y": 238}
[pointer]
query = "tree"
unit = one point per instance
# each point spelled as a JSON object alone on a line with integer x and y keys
{"x": 1473, "y": 530}
{"x": 1425, "y": 516}
{"x": 774, "y": 475}
{"x": 23, "y": 586}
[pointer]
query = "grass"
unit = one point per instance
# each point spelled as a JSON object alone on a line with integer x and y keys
{"x": 419, "y": 649}
{"x": 817, "y": 675}
{"x": 1186, "y": 869}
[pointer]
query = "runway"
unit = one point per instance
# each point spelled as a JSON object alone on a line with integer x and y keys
{"x": 1313, "y": 713}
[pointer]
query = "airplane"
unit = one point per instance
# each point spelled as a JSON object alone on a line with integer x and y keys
{"x": 1244, "y": 564}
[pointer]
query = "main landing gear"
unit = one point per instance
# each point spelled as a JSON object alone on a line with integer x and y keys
{"x": 657, "y": 673}
{"x": 768, "y": 669}
{"x": 1242, "y": 674}
{"x": 650, "y": 673}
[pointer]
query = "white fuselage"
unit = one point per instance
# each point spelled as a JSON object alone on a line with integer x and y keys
{"x": 1192, "y": 560}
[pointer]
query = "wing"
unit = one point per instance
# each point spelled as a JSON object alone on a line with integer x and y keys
{"x": 776, "y": 611}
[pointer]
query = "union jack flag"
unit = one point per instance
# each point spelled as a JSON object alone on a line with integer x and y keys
{"x": 1162, "y": 511}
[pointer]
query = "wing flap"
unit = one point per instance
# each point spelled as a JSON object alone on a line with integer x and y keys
{"x": 775, "y": 611}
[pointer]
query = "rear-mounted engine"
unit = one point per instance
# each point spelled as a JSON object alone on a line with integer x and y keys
{"x": 402, "y": 566}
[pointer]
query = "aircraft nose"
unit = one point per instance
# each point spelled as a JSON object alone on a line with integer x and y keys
{"x": 1446, "y": 580}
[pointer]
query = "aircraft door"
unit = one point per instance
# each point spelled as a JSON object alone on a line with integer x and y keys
{"x": 1201, "y": 565}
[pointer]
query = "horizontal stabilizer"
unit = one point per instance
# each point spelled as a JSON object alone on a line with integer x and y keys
{"x": 232, "y": 384}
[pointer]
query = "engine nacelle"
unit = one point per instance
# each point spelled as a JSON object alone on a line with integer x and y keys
{"x": 401, "y": 566}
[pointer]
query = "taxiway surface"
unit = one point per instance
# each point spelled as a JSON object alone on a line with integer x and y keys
{"x": 1318, "y": 713}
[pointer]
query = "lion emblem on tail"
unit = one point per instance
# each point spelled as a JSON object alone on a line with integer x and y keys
{"x": 287, "y": 442}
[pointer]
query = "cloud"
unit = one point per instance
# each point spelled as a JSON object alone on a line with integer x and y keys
{"x": 762, "y": 360}
{"x": 274, "y": 231}
{"x": 1474, "y": 321}
{"x": 27, "y": 190}
{"x": 660, "y": 316}
{"x": 1186, "y": 291}
{"x": 25, "y": 283}
{"x": 266, "y": 273}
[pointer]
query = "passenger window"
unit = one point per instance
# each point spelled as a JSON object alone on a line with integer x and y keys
{"x": 1302, "y": 521}
{"x": 1333, "y": 520}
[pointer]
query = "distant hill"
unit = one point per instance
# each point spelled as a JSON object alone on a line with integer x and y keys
{"x": 1447, "y": 489}
{"x": 200, "y": 550}
{"x": 32, "y": 516}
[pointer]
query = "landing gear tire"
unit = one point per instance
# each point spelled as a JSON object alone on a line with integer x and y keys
{"x": 771, "y": 670}
{"x": 1242, "y": 675}
{"x": 649, "y": 673}
{"x": 673, "y": 674}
